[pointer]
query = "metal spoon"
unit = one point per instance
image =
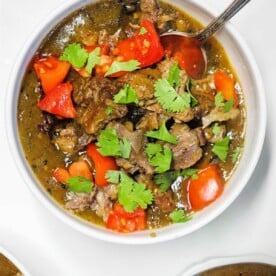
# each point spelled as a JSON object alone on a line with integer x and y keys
{"x": 187, "y": 47}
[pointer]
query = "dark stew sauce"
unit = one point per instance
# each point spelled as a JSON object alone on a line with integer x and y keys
{"x": 203, "y": 141}
{"x": 7, "y": 268}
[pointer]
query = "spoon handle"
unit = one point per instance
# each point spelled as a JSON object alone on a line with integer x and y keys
{"x": 218, "y": 22}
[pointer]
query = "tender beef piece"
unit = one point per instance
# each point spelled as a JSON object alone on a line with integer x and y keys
{"x": 150, "y": 9}
{"x": 213, "y": 138}
{"x": 185, "y": 116}
{"x": 138, "y": 160}
{"x": 94, "y": 117}
{"x": 70, "y": 138}
{"x": 79, "y": 201}
{"x": 200, "y": 133}
{"x": 218, "y": 115}
{"x": 96, "y": 90}
{"x": 148, "y": 122}
{"x": 93, "y": 102}
{"x": 48, "y": 122}
{"x": 187, "y": 151}
{"x": 142, "y": 81}
{"x": 99, "y": 200}
{"x": 164, "y": 201}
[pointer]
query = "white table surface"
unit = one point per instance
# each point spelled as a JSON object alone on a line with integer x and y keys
{"x": 47, "y": 246}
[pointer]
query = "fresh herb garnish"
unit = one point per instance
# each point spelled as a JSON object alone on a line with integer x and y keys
{"x": 179, "y": 216}
{"x": 108, "y": 110}
{"x": 188, "y": 86}
{"x": 75, "y": 54}
{"x": 164, "y": 180}
{"x": 220, "y": 102}
{"x": 236, "y": 154}
{"x": 110, "y": 145}
{"x": 159, "y": 157}
{"x": 228, "y": 105}
{"x": 143, "y": 31}
{"x": 174, "y": 75}
{"x": 168, "y": 97}
{"x": 216, "y": 129}
{"x": 79, "y": 184}
{"x": 125, "y": 66}
{"x": 131, "y": 194}
{"x": 126, "y": 95}
{"x": 221, "y": 148}
{"x": 162, "y": 134}
{"x": 93, "y": 59}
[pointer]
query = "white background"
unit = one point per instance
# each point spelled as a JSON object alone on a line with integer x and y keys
{"x": 46, "y": 246}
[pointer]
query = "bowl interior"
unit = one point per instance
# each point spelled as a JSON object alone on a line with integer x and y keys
{"x": 245, "y": 67}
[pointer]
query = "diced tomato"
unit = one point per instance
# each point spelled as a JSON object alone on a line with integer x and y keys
{"x": 105, "y": 62}
{"x": 51, "y": 71}
{"x": 206, "y": 188}
{"x": 225, "y": 84}
{"x": 59, "y": 102}
{"x": 102, "y": 164}
{"x": 122, "y": 221}
{"x": 80, "y": 168}
{"x": 144, "y": 46}
{"x": 61, "y": 175}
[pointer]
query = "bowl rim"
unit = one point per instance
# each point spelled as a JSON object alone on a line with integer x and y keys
{"x": 91, "y": 230}
{"x": 217, "y": 261}
{"x": 11, "y": 257}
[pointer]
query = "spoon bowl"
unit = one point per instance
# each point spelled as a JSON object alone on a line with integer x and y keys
{"x": 187, "y": 48}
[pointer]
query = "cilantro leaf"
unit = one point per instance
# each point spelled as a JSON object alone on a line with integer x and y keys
{"x": 178, "y": 216}
{"x": 228, "y": 105}
{"x": 236, "y": 154}
{"x": 75, "y": 54}
{"x": 216, "y": 129}
{"x": 131, "y": 194}
{"x": 93, "y": 59}
{"x": 221, "y": 148}
{"x": 169, "y": 99}
{"x": 110, "y": 145}
{"x": 79, "y": 184}
{"x": 108, "y": 110}
{"x": 126, "y": 95}
{"x": 164, "y": 180}
{"x": 159, "y": 157}
{"x": 219, "y": 100}
{"x": 126, "y": 66}
{"x": 143, "y": 31}
{"x": 174, "y": 75}
{"x": 162, "y": 134}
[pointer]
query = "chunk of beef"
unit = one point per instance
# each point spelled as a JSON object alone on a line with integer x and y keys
{"x": 70, "y": 138}
{"x": 93, "y": 102}
{"x": 150, "y": 9}
{"x": 218, "y": 115}
{"x": 138, "y": 160}
{"x": 148, "y": 122}
{"x": 79, "y": 201}
{"x": 187, "y": 151}
{"x": 94, "y": 117}
{"x": 164, "y": 201}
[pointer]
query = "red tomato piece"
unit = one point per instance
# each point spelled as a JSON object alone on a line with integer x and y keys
{"x": 102, "y": 164}
{"x": 122, "y": 221}
{"x": 59, "y": 102}
{"x": 145, "y": 46}
{"x": 51, "y": 72}
{"x": 104, "y": 48}
{"x": 206, "y": 188}
{"x": 225, "y": 84}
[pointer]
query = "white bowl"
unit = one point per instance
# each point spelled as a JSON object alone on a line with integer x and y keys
{"x": 228, "y": 260}
{"x": 247, "y": 70}
{"x": 14, "y": 260}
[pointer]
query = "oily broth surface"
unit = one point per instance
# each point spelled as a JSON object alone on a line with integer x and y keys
{"x": 40, "y": 153}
